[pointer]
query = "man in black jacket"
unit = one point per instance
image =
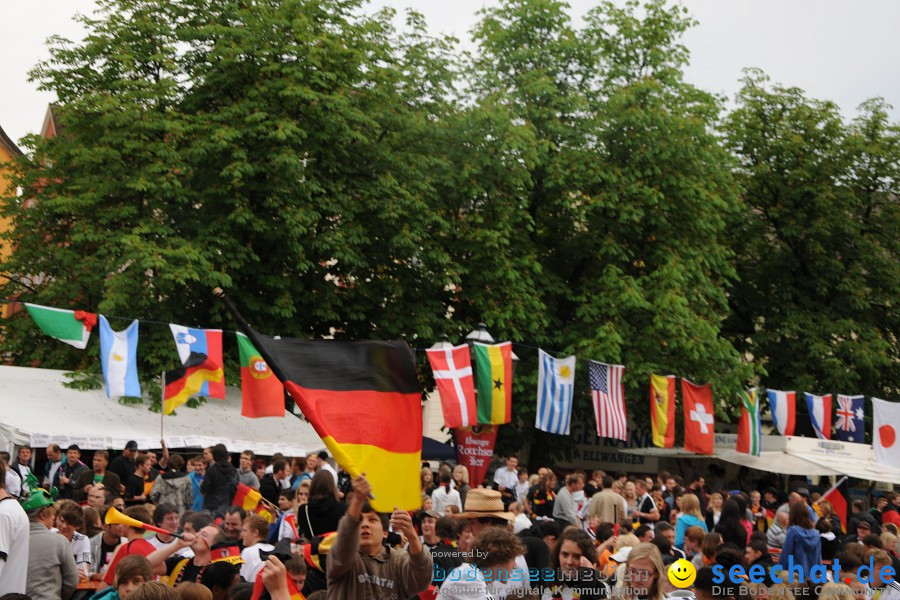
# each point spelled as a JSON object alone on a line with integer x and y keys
{"x": 220, "y": 483}
{"x": 123, "y": 465}
{"x": 270, "y": 486}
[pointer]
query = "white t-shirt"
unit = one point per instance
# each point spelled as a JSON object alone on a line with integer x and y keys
{"x": 14, "y": 542}
{"x": 441, "y": 499}
{"x": 13, "y": 483}
{"x": 81, "y": 549}
{"x": 506, "y": 477}
{"x": 253, "y": 563}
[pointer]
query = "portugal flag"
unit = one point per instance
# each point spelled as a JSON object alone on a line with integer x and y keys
{"x": 363, "y": 400}
{"x": 262, "y": 395}
{"x": 188, "y": 380}
{"x": 662, "y": 410}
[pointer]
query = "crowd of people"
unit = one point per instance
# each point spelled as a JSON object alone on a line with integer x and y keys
{"x": 314, "y": 533}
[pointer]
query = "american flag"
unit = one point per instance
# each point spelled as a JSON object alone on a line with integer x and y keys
{"x": 608, "y": 397}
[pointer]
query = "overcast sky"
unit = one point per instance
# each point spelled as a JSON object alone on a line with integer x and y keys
{"x": 840, "y": 50}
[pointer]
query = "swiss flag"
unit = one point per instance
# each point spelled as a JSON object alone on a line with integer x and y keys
{"x": 452, "y": 369}
{"x": 886, "y": 423}
{"x": 699, "y": 433}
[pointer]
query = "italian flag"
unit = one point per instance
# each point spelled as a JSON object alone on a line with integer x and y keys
{"x": 69, "y": 326}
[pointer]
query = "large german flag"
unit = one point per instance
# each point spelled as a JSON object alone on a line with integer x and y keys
{"x": 363, "y": 400}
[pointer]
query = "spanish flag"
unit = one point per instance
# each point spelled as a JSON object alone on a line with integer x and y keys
{"x": 363, "y": 400}
{"x": 493, "y": 368}
{"x": 188, "y": 379}
{"x": 662, "y": 410}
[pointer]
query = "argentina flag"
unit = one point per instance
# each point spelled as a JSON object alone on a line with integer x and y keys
{"x": 556, "y": 386}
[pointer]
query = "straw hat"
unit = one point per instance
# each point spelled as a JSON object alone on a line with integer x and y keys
{"x": 482, "y": 502}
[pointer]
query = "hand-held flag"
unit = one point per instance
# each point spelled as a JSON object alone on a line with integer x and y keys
{"x": 493, "y": 368}
{"x": 555, "y": 391}
{"x": 662, "y": 410}
{"x": 452, "y": 368}
{"x": 749, "y": 426}
{"x": 699, "y": 419}
{"x": 885, "y": 425}
{"x": 188, "y": 379}
{"x": 849, "y": 426}
{"x": 262, "y": 394}
{"x": 783, "y": 407}
{"x": 608, "y": 397}
{"x": 201, "y": 341}
{"x": 363, "y": 400}
{"x": 70, "y": 326}
{"x": 118, "y": 358}
{"x": 820, "y": 414}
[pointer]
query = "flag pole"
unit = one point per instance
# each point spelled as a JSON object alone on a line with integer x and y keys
{"x": 162, "y": 406}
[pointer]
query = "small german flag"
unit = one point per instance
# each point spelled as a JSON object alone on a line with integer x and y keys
{"x": 188, "y": 379}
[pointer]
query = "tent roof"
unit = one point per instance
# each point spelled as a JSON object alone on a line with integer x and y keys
{"x": 36, "y": 408}
{"x": 793, "y": 455}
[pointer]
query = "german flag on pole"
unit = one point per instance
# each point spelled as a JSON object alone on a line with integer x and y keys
{"x": 363, "y": 400}
{"x": 188, "y": 379}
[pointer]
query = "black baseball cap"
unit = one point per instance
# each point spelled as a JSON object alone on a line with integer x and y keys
{"x": 131, "y": 445}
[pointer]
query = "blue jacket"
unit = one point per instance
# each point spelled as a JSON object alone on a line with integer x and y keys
{"x": 804, "y": 546}
{"x": 682, "y": 523}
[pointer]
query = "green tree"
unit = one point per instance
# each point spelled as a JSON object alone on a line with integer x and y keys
{"x": 816, "y": 244}
{"x": 623, "y": 193}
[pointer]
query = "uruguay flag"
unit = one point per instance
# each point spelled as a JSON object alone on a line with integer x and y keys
{"x": 782, "y": 405}
{"x": 201, "y": 341}
{"x": 820, "y": 414}
{"x": 556, "y": 387}
{"x": 118, "y": 357}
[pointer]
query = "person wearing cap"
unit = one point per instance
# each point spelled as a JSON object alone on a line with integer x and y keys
{"x": 484, "y": 509}
{"x": 51, "y": 573}
{"x": 14, "y": 541}
{"x": 323, "y": 465}
{"x": 123, "y": 465}
{"x": 361, "y": 566}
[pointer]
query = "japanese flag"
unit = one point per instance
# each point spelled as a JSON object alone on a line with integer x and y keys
{"x": 885, "y": 440}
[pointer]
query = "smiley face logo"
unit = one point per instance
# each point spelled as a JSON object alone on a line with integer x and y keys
{"x": 682, "y": 573}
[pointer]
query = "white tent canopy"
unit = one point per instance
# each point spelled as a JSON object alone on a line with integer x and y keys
{"x": 793, "y": 455}
{"x": 36, "y": 409}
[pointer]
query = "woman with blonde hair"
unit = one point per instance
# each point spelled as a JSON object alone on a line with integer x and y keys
{"x": 713, "y": 510}
{"x": 461, "y": 481}
{"x": 644, "y": 575}
{"x": 690, "y": 516}
{"x": 630, "y": 494}
{"x": 427, "y": 481}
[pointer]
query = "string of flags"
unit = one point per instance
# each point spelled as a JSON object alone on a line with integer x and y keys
{"x": 481, "y": 394}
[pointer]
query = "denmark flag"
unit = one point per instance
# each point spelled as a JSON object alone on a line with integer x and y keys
{"x": 452, "y": 369}
{"x": 699, "y": 433}
{"x": 886, "y": 422}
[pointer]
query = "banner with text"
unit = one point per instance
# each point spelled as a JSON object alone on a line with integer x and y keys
{"x": 474, "y": 449}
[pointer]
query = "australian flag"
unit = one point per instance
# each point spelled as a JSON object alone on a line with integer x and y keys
{"x": 849, "y": 425}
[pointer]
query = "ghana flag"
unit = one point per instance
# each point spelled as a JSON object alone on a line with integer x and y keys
{"x": 363, "y": 400}
{"x": 493, "y": 381}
